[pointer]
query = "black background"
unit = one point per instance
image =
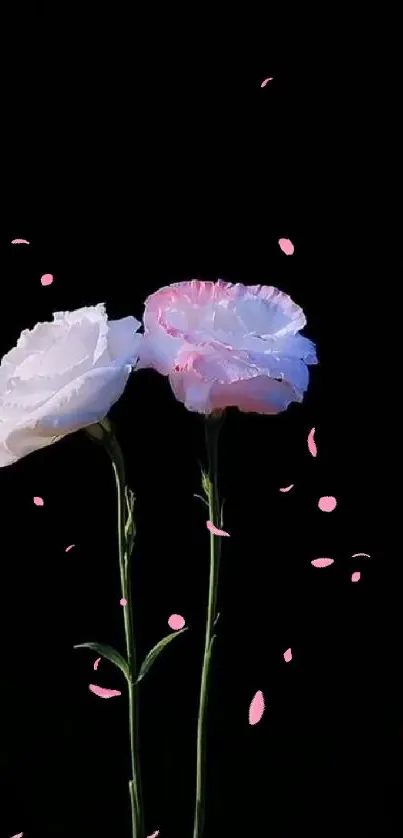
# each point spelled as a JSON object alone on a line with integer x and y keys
{"x": 133, "y": 161}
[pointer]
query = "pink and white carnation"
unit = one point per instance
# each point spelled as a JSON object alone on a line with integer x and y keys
{"x": 226, "y": 345}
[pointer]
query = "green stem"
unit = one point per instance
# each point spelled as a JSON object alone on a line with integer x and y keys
{"x": 135, "y": 790}
{"x": 212, "y": 429}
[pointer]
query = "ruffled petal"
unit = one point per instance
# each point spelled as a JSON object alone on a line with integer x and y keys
{"x": 123, "y": 342}
{"x": 256, "y": 395}
{"x": 80, "y": 403}
{"x": 192, "y": 391}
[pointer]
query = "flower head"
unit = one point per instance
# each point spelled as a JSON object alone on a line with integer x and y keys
{"x": 228, "y": 345}
{"x": 63, "y": 376}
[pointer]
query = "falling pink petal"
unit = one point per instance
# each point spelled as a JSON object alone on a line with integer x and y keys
{"x": 327, "y": 503}
{"x": 287, "y": 488}
{"x": 286, "y": 246}
{"x": 103, "y": 692}
{"x": 69, "y": 548}
{"x": 266, "y": 81}
{"x": 256, "y": 708}
{"x": 38, "y": 501}
{"x": 96, "y": 663}
{"x": 322, "y": 562}
{"x": 360, "y": 554}
{"x": 287, "y": 655}
{"x": 154, "y": 835}
{"x": 311, "y": 443}
{"x": 356, "y": 576}
{"x": 176, "y": 622}
{"x": 19, "y": 835}
{"x": 210, "y": 526}
{"x": 19, "y": 241}
{"x": 123, "y": 601}
{"x": 46, "y": 279}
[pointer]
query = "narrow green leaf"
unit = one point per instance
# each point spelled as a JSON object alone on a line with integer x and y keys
{"x": 222, "y": 514}
{"x": 155, "y": 652}
{"x": 108, "y": 652}
{"x": 130, "y": 497}
{"x": 130, "y": 527}
{"x": 200, "y": 497}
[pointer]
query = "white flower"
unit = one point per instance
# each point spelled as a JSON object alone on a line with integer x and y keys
{"x": 223, "y": 344}
{"x": 63, "y": 376}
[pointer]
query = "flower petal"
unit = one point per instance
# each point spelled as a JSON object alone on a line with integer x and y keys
{"x": 215, "y": 530}
{"x": 159, "y": 350}
{"x": 322, "y": 562}
{"x": 257, "y": 395}
{"x": 81, "y": 402}
{"x": 312, "y": 448}
{"x": 327, "y": 503}
{"x": 53, "y": 352}
{"x": 256, "y": 708}
{"x": 176, "y": 622}
{"x": 286, "y": 246}
{"x": 294, "y": 346}
{"x": 292, "y": 370}
{"x": 123, "y": 342}
{"x": 103, "y": 692}
{"x": 192, "y": 391}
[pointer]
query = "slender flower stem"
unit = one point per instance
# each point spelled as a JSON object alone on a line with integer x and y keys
{"x": 212, "y": 428}
{"x": 116, "y": 456}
